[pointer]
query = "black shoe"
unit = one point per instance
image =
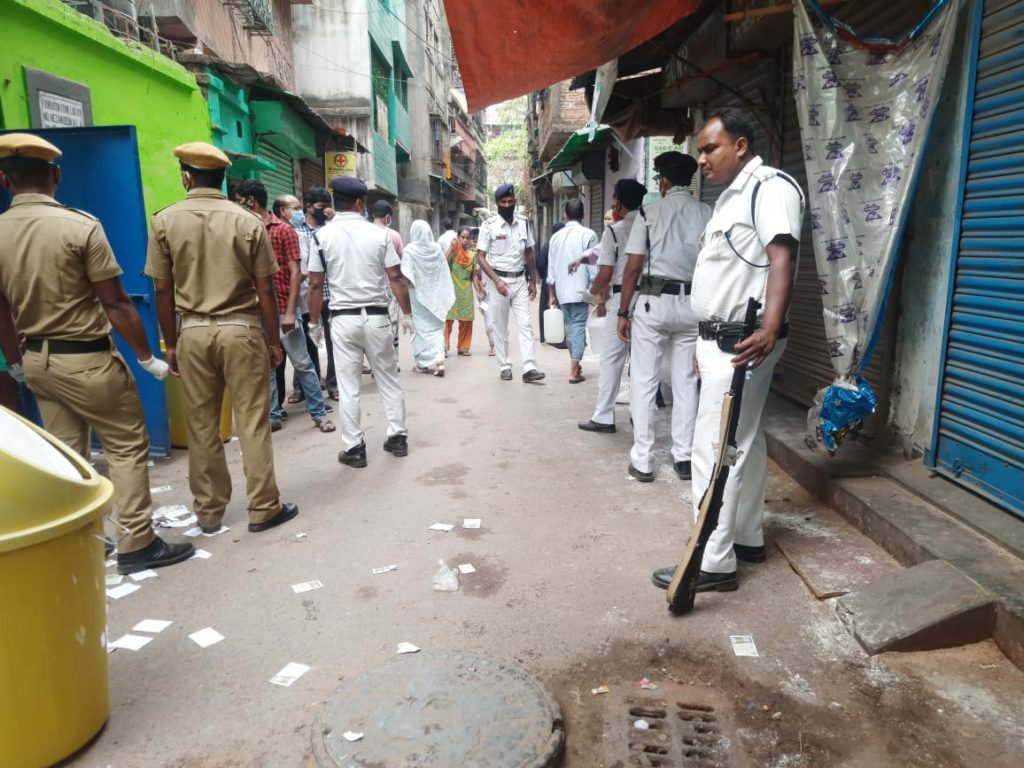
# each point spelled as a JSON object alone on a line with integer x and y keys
{"x": 531, "y": 376}
{"x": 156, "y": 554}
{"x": 706, "y": 582}
{"x": 397, "y": 445}
{"x": 108, "y": 547}
{"x": 210, "y": 529}
{"x": 749, "y": 554}
{"x": 683, "y": 470}
{"x": 275, "y": 426}
{"x": 288, "y": 511}
{"x": 506, "y": 374}
{"x": 643, "y": 477}
{"x": 595, "y": 426}
{"x": 354, "y": 457}
{"x": 284, "y": 415}
{"x": 332, "y": 394}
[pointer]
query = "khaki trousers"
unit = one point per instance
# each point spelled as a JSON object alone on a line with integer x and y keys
{"x": 96, "y": 390}
{"x": 210, "y": 358}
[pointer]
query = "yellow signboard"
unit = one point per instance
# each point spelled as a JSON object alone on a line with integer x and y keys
{"x": 339, "y": 164}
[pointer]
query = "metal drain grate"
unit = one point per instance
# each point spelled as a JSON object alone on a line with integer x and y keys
{"x": 686, "y": 728}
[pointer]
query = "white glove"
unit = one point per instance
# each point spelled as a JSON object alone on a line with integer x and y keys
{"x": 316, "y": 334}
{"x": 17, "y": 373}
{"x": 408, "y": 326}
{"x": 156, "y": 367}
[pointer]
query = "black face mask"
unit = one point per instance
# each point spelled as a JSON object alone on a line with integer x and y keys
{"x": 319, "y": 217}
{"x": 506, "y": 212}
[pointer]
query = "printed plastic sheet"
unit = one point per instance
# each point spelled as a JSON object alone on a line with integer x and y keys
{"x": 865, "y": 108}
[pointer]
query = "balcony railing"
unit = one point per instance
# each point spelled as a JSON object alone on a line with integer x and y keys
{"x": 257, "y": 15}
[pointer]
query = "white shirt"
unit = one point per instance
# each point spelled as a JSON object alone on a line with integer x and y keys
{"x": 613, "y": 246}
{"x": 565, "y": 246}
{"x": 357, "y": 254}
{"x": 505, "y": 244}
{"x": 446, "y": 240}
{"x": 732, "y": 269}
{"x": 674, "y": 224}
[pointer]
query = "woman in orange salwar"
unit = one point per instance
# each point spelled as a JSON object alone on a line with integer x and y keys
{"x": 462, "y": 263}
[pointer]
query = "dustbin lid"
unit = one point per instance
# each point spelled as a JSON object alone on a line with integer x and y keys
{"x": 32, "y": 448}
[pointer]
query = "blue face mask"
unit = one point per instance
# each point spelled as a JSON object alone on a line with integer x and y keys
{"x": 298, "y": 217}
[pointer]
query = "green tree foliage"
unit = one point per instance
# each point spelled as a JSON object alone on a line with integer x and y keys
{"x": 505, "y": 152}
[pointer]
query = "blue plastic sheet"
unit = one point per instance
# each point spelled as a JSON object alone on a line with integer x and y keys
{"x": 842, "y": 410}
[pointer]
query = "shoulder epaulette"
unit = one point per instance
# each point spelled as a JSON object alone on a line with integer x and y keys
{"x": 81, "y": 212}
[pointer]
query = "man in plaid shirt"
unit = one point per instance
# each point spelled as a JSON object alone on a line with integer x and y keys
{"x": 252, "y": 195}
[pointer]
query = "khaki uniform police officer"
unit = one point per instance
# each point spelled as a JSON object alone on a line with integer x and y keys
{"x": 213, "y": 264}
{"x": 59, "y": 287}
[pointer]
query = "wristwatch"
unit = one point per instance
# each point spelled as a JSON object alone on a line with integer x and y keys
{"x": 624, "y": 313}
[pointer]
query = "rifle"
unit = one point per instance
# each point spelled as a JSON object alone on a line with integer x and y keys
{"x": 683, "y": 589}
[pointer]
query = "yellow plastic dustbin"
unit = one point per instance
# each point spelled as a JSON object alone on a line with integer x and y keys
{"x": 53, "y": 616}
{"x": 177, "y": 414}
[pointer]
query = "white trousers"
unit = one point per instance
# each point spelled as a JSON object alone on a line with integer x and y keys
{"x": 518, "y": 304}
{"x": 614, "y": 352}
{"x": 741, "y": 519}
{"x": 353, "y": 337}
{"x": 669, "y": 327}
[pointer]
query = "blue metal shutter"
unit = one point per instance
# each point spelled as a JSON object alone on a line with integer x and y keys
{"x": 980, "y": 430}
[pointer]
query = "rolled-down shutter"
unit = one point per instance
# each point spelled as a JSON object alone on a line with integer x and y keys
{"x": 980, "y": 438}
{"x": 281, "y": 180}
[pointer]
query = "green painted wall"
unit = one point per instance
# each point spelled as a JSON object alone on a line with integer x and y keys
{"x": 129, "y": 85}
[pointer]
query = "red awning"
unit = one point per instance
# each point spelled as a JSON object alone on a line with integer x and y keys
{"x": 506, "y": 48}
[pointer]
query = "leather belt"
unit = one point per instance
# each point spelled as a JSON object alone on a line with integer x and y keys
{"x": 657, "y": 286}
{"x": 728, "y": 335}
{"x": 200, "y": 320}
{"x": 360, "y": 310}
{"x": 616, "y": 289}
{"x": 69, "y": 346}
{"x": 520, "y": 273}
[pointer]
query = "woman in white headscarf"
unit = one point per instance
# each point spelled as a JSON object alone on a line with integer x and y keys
{"x": 431, "y": 294}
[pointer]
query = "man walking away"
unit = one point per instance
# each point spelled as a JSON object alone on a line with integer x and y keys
{"x": 566, "y": 247}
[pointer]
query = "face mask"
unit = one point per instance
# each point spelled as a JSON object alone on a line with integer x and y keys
{"x": 319, "y": 216}
{"x": 297, "y": 218}
{"x": 506, "y": 213}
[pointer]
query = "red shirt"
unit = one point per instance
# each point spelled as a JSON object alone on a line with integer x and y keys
{"x": 285, "y": 242}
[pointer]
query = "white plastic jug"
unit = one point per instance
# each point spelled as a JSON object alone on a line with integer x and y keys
{"x": 596, "y": 329}
{"x": 554, "y": 326}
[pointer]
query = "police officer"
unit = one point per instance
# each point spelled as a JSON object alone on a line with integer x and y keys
{"x": 750, "y": 250}
{"x": 505, "y": 254}
{"x": 360, "y": 262}
{"x": 626, "y": 199}
{"x": 661, "y": 252}
{"x": 213, "y": 267}
{"x": 59, "y": 287}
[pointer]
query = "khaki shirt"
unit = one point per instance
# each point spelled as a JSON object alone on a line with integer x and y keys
{"x": 51, "y": 257}
{"x": 213, "y": 250}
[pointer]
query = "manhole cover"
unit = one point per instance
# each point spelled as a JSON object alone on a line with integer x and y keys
{"x": 443, "y": 709}
{"x": 675, "y": 726}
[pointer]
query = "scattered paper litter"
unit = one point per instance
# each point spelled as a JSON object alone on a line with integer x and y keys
{"x": 641, "y": 725}
{"x": 151, "y": 463}
{"x": 113, "y": 579}
{"x": 307, "y": 586}
{"x": 171, "y": 512}
{"x": 122, "y": 591}
{"x": 384, "y": 569}
{"x": 202, "y": 554}
{"x": 441, "y": 527}
{"x": 198, "y": 531}
{"x": 110, "y": 563}
{"x": 743, "y": 645}
{"x": 407, "y": 648}
{"x": 153, "y": 626}
{"x": 130, "y": 642}
{"x": 204, "y": 638}
{"x": 160, "y": 489}
{"x": 300, "y": 535}
{"x": 600, "y": 689}
{"x": 149, "y": 573}
{"x": 466, "y": 568}
{"x": 471, "y": 522}
{"x": 351, "y": 736}
{"x": 291, "y": 672}
{"x": 647, "y": 685}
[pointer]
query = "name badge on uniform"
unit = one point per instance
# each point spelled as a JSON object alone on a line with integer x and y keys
{"x": 501, "y": 237}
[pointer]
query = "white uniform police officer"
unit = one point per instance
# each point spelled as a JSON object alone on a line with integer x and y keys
{"x": 359, "y": 261}
{"x": 750, "y": 250}
{"x": 505, "y": 254}
{"x": 661, "y": 252}
{"x": 626, "y": 199}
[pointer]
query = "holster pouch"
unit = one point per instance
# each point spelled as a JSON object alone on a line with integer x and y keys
{"x": 651, "y": 286}
{"x": 728, "y": 336}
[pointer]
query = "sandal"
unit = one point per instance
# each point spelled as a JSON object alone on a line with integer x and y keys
{"x": 324, "y": 424}
{"x": 491, "y": 353}
{"x": 420, "y": 369}
{"x": 296, "y": 397}
{"x": 439, "y": 370}
{"x": 464, "y": 352}
{"x": 578, "y": 380}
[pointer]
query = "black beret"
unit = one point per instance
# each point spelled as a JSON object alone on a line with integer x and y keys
{"x": 504, "y": 191}
{"x": 630, "y": 193}
{"x": 349, "y": 186}
{"x": 675, "y": 161}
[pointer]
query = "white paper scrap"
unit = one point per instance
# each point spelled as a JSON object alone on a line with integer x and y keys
{"x": 743, "y": 645}
{"x": 300, "y": 535}
{"x": 218, "y": 532}
{"x": 202, "y": 554}
{"x": 384, "y": 569}
{"x": 291, "y": 672}
{"x": 149, "y": 573}
{"x": 172, "y": 512}
{"x": 122, "y": 591}
{"x": 351, "y": 736}
{"x": 441, "y": 527}
{"x": 130, "y": 642}
{"x": 110, "y": 563}
{"x": 185, "y": 522}
{"x": 153, "y": 626}
{"x": 204, "y": 638}
{"x": 160, "y": 489}
{"x": 641, "y": 725}
{"x": 407, "y": 648}
{"x": 307, "y": 586}
{"x": 466, "y": 568}
{"x": 113, "y": 579}
{"x": 471, "y": 522}
{"x": 198, "y": 531}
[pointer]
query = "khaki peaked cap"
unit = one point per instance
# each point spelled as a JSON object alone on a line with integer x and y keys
{"x": 201, "y": 155}
{"x": 27, "y": 145}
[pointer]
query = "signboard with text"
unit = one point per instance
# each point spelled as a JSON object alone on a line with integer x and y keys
{"x": 55, "y": 102}
{"x": 339, "y": 164}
